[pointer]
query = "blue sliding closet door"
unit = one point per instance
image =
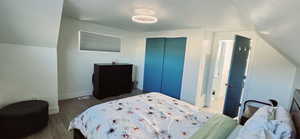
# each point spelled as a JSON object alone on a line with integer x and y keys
{"x": 164, "y": 63}
{"x": 173, "y": 66}
{"x": 153, "y": 64}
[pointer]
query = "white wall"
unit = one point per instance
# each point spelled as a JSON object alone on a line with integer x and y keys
{"x": 297, "y": 79}
{"x": 28, "y": 72}
{"x": 28, "y": 40}
{"x": 193, "y": 60}
{"x": 76, "y": 67}
{"x": 270, "y": 75}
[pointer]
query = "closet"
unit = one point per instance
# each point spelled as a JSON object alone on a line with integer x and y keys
{"x": 164, "y": 63}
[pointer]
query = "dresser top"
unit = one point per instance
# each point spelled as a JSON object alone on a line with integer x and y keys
{"x": 111, "y": 64}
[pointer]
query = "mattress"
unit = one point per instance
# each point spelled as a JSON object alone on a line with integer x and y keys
{"x": 148, "y": 116}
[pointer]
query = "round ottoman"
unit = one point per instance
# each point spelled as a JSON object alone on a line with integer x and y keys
{"x": 23, "y": 118}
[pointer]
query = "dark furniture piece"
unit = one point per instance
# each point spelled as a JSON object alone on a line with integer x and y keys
{"x": 23, "y": 118}
{"x": 77, "y": 134}
{"x": 112, "y": 80}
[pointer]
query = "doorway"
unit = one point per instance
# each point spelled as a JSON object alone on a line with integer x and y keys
{"x": 220, "y": 74}
{"x": 227, "y": 61}
{"x": 237, "y": 76}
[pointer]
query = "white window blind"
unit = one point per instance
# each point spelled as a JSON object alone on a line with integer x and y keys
{"x": 97, "y": 42}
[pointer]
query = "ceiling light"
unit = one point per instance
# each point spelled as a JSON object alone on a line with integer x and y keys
{"x": 144, "y": 12}
{"x": 144, "y": 19}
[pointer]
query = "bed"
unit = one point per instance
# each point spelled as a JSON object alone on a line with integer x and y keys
{"x": 151, "y": 116}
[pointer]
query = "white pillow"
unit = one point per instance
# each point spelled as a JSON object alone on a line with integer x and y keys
{"x": 263, "y": 125}
{"x": 284, "y": 116}
{"x": 265, "y": 112}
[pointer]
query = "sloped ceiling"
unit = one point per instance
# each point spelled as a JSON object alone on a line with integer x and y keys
{"x": 30, "y": 22}
{"x": 277, "y": 21}
{"x": 172, "y": 14}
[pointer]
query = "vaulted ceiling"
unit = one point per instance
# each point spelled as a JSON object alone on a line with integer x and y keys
{"x": 172, "y": 14}
{"x": 30, "y": 22}
{"x": 277, "y": 21}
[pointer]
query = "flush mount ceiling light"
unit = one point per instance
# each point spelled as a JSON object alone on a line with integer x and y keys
{"x": 144, "y": 19}
{"x": 144, "y": 16}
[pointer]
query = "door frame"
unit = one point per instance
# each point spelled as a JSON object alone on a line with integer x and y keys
{"x": 213, "y": 57}
{"x": 245, "y": 73}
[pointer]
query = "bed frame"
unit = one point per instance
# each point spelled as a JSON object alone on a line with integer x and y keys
{"x": 77, "y": 134}
{"x": 295, "y": 113}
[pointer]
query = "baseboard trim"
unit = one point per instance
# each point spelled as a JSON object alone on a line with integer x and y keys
{"x": 70, "y": 95}
{"x": 53, "y": 110}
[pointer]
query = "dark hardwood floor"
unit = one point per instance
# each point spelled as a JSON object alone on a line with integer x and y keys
{"x": 58, "y": 123}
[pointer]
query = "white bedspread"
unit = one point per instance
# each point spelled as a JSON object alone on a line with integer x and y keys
{"x": 148, "y": 116}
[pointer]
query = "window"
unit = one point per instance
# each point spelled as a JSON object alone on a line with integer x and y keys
{"x": 97, "y": 42}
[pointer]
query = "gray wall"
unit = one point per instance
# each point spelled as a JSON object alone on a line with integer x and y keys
{"x": 297, "y": 79}
{"x": 28, "y": 40}
{"x": 76, "y": 67}
{"x": 30, "y": 22}
{"x": 269, "y": 74}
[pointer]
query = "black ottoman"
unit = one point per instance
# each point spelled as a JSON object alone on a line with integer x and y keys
{"x": 23, "y": 118}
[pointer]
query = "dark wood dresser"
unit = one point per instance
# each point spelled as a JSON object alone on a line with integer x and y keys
{"x": 112, "y": 79}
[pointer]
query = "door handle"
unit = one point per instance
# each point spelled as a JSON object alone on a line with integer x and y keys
{"x": 228, "y": 85}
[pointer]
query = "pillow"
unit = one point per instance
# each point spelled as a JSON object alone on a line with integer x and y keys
{"x": 264, "y": 125}
{"x": 283, "y": 116}
{"x": 250, "y": 110}
{"x": 265, "y": 112}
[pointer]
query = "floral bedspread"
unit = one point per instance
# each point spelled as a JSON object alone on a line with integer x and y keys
{"x": 148, "y": 116}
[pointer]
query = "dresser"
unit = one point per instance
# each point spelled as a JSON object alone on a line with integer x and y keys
{"x": 112, "y": 79}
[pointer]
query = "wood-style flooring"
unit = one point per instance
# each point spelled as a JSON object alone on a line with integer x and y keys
{"x": 58, "y": 124}
{"x": 216, "y": 106}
